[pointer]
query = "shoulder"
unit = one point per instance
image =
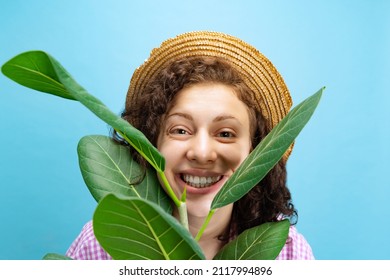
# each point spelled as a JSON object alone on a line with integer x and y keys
{"x": 296, "y": 247}
{"x": 86, "y": 246}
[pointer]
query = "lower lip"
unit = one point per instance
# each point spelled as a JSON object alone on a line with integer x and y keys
{"x": 214, "y": 188}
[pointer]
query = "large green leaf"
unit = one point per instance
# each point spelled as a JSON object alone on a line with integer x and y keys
{"x": 267, "y": 153}
{"x": 34, "y": 70}
{"x": 134, "y": 228}
{"x": 263, "y": 242}
{"x": 108, "y": 167}
{"x": 40, "y": 71}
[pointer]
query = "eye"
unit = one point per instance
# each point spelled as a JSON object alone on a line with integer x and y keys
{"x": 179, "y": 131}
{"x": 226, "y": 134}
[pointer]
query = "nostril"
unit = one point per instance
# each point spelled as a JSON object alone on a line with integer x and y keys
{"x": 202, "y": 157}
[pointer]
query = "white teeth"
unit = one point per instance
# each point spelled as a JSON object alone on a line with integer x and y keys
{"x": 200, "y": 182}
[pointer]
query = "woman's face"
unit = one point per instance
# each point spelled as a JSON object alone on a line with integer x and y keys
{"x": 204, "y": 138}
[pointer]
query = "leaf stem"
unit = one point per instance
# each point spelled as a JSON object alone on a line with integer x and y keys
{"x": 183, "y": 215}
{"x": 169, "y": 189}
{"x": 180, "y": 204}
{"x": 205, "y": 223}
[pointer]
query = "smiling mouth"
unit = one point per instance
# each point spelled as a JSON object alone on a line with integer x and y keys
{"x": 199, "y": 181}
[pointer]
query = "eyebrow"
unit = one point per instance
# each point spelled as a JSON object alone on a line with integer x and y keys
{"x": 216, "y": 119}
{"x": 183, "y": 115}
{"x": 225, "y": 117}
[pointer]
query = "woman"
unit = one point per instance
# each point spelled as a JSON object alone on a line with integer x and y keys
{"x": 205, "y": 100}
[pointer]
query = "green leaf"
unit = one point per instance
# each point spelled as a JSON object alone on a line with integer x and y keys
{"x": 136, "y": 229}
{"x": 54, "y": 256}
{"x": 108, "y": 167}
{"x": 34, "y": 70}
{"x": 40, "y": 71}
{"x": 263, "y": 242}
{"x": 267, "y": 153}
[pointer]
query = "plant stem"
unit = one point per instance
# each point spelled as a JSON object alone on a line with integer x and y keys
{"x": 181, "y": 205}
{"x": 183, "y": 215}
{"x": 205, "y": 223}
{"x": 169, "y": 189}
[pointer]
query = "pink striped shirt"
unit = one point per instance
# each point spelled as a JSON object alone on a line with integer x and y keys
{"x": 86, "y": 247}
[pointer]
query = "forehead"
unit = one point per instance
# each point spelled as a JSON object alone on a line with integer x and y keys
{"x": 209, "y": 101}
{"x": 206, "y": 94}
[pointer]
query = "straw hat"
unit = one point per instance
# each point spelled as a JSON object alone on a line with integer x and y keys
{"x": 270, "y": 92}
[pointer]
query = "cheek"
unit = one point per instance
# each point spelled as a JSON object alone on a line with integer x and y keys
{"x": 236, "y": 155}
{"x": 173, "y": 152}
{"x": 163, "y": 146}
{"x": 168, "y": 149}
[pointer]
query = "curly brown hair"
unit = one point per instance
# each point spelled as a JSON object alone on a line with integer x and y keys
{"x": 270, "y": 199}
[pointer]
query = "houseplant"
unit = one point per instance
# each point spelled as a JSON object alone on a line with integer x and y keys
{"x": 134, "y": 221}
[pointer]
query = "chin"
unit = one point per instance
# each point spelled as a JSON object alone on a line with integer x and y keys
{"x": 198, "y": 209}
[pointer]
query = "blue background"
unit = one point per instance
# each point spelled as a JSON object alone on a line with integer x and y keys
{"x": 338, "y": 172}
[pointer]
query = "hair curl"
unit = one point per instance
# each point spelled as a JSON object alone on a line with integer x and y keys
{"x": 270, "y": 199}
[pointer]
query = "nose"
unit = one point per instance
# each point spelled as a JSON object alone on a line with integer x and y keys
{"x": 202, "y": 149}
